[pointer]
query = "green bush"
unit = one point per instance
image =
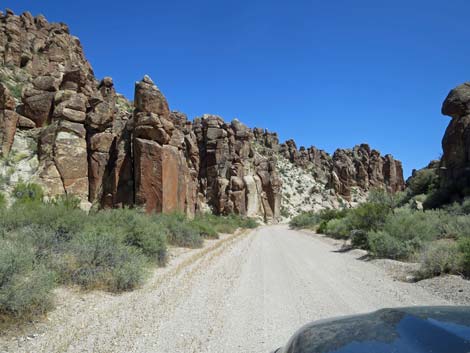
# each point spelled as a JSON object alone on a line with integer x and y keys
{"x": 180, "y": 231}
{"x": 392, "y": 200}
{"x": 3, "y": 201}
{"x": 204, "y": 228}
{"x": 405, "y": 231}
{"x": 337, "y": 228}
{"x": 148, "y": 236}
{"x": 368, "y": 216}
{"x": 25, "y": 287}
{"x": 223, "y": 224}
{"x": 464, "y": 247}
{"x": 98, "y": 259}
{"x": 43, "y": 244}
{"x": 28, "y": 192}
{"x": 320, "y": 219}
{"x": 459, "y": 208}
{"x": 439, "y": 257}
{"x": 381, "y": 244}
{"x": 423, "y": 182}
{"x": 359, "y": 239}
{"x": 304, "y": 220}
{"x": 407, "y": 224}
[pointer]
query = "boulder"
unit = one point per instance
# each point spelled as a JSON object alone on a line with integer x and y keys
{"x": 38, "y": 107}
{"x": 455, "y": 162}
{"x": 149, "y": 99}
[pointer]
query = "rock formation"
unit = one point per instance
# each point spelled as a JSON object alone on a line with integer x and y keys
{"x": 360, "y": 167}
{"x": 455, "y": 162}
{"x": 92, "y": 144}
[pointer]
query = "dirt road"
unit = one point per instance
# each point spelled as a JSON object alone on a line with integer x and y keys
{"x": 244, "y": 293}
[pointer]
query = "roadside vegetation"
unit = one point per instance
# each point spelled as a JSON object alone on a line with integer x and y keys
{"x": 46, "y": 244}
{"x": 398, "y": 227}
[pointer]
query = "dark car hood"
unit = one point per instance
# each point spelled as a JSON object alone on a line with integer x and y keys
{"x": 405, "y": 330}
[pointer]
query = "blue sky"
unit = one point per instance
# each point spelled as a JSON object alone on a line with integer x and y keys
{"x": 326, "y": 73}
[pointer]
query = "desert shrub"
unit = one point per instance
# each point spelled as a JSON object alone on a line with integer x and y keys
{"x": 452, "y": 226}
{"x": 46, "y": 243}
{"x": 337, "y": 228}
{"x": 180, "y": 231}
{"x": 25, "y": 287}
{"x": 28, "y": 192}
{"x": 226, "y": 224}
{"x": 248, "y": 223}
{"x": 3, "y": 201}
{"x": 464, "y": 248}
{"x": 459, "y": 208}
{"x": 405, "y": 231}
{"x": 304, "y": 220}
{"x": 136, "y": 229}
{"x": 148, "y": 236}
{"x": 204, "y": 227}
{"x": 359, "y": 239}
{"x": 439, "y": 197}
{"x": 320, "y": 219}
{"x": 99, "y": 259}
{"x": 439, "y": 257}
{"x": 408, "y": 224}
{"x": 53, "y": 217}
{"x": 381, "y": 244}
{"x": 16, "y": 90}
{"x": 423, "y": 182}
{"x": 65, "y": 201}
{"x": 392, "y": 200}
{"x": 368, "y": 216}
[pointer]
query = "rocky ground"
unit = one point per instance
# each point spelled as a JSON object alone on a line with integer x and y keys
{"x": 243, "y": 293}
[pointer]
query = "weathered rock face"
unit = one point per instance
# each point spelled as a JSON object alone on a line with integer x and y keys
{"x": 163, "y": 182}
{"x": 8, "y": 120}
{"x": 365, "y": 168}
{"x": 93, "y": 145}
{"x": 455, "y": 162}
{"x": 360, "y": 167}
{"x": 233, "y": 178}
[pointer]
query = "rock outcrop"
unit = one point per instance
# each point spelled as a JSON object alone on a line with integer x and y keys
{"x": 163, "y": 181}
{"x": 233, "y": 177}
{"x": 455, "y": 162}
{"x": 360, "y": 167}
{"x": 93, "y": 144}
{"x": 8, "y": 120}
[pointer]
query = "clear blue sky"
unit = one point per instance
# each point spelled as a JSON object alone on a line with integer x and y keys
{"x": 326, "y": 73}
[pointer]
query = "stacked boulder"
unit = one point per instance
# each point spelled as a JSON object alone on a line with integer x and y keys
{"x": 163, "y": 181}
{"x": 8, "y": 120}
{"x": 63, "y": 156}
{"x": 360, "y": 167}
{"x": 233, "y": 178}
{"x": 455, "y": 162}
{"x": 366, "y": 169}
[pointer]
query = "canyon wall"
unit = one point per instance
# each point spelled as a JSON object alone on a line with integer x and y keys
{"x": 75, "y": 135}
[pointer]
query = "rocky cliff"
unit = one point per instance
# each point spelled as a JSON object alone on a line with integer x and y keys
{"x": 75, "y": 135}
{"x": 455, "y": 161}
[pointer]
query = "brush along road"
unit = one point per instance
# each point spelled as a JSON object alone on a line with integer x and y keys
{"x": 242, "y": 293}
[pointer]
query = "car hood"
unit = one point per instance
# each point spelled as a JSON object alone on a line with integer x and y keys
{"x": 404, "y": 330}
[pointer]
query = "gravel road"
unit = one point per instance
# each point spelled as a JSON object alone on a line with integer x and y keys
{"x": 242, "y": 293}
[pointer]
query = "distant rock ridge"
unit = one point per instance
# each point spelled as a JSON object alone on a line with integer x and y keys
{"x": 77, "y": 136}
{"x": 360, "y": 166}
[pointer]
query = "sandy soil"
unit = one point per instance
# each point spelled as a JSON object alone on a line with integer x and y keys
{"x": 243, "y": 293}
